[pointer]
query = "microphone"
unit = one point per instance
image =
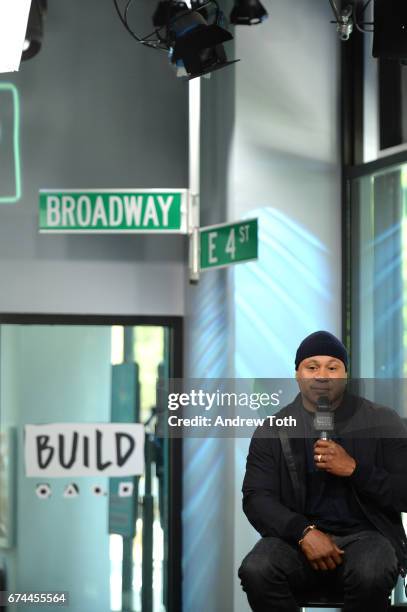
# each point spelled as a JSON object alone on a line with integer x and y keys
{"x": 323, "y": 418}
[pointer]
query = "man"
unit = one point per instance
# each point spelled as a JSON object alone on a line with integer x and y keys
{"x": 328, "y": 511}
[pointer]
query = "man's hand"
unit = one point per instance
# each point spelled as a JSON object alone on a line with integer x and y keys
{"x": 333, "y": 458}
{"x": 321, "y": 551}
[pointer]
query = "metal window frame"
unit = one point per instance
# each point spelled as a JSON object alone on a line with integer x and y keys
{"x": 351, "y": 112}
{"x": 352, "y": 164}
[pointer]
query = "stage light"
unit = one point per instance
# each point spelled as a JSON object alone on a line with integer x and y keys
{"x": 165, "y": 11}
{"x": 248, "y": 12}
{"x": 35, "y": 29}
{"x": 201, "y": 6}
{"x": 192, "y": 37}
{"x": 13, "y": 24}
{"x": 344, "y": 19}
{"x": 197, "y": 44}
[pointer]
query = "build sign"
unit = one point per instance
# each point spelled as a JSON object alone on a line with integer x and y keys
{"x": 84, "y": 449}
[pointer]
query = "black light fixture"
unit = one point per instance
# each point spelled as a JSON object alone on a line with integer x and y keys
{"x": 192, "y": 37}
{"x": 248, "y": 12}
{"x": 390, "y": 30}
{"x": 197, "y": 45}
{"x": 389, "y": 25}
{"x": 200, "y": 5}
{"x": 35, "y": 29}
{"x": 165, "y": 11}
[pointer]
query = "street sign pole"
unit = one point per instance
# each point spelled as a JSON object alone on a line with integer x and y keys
{"x": 194, "y": 254}
{"x": 194, "y": 178}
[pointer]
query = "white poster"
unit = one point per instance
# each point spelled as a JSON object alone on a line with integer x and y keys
{"x": 63, "y": 450}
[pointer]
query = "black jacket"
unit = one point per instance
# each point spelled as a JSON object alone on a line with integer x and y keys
{"x": 274, "y": 486}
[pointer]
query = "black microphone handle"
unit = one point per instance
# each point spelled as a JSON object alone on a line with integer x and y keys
{"x": 324, "y": 435}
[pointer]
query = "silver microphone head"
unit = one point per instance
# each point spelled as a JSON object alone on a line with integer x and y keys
{"x": 323, "y": 404}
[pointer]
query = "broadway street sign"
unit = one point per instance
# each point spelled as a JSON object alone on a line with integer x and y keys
{"x": 228, "y": 243}
{"x": 113, "y": 211}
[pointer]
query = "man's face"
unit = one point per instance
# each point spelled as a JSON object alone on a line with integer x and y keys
{"x": 321, "y": 375}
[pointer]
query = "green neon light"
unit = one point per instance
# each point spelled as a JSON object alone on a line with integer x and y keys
{"x": 12, "y": 199}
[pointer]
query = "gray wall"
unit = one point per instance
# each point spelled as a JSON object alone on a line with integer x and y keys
{"x": 97, "y": 110}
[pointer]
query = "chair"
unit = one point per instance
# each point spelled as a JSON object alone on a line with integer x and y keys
{"x": 320, "y": 599}
{"x": 332, "y": 599}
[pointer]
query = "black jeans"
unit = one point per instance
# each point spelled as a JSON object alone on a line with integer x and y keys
{"x": 274, "y": 571}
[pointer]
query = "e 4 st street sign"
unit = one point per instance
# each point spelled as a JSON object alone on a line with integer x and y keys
{"x": 113, "y": 211}
{"x": 228, "y": 243}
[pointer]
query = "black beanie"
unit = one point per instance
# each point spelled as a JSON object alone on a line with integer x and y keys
{"x": 321, "y": 343}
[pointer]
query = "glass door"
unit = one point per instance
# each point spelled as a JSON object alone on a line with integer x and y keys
{"x": 102, "y": 539}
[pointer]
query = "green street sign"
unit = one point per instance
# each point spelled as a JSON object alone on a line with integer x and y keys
{"x": 119, "y": 211}
{"x": 229, "y": 243}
